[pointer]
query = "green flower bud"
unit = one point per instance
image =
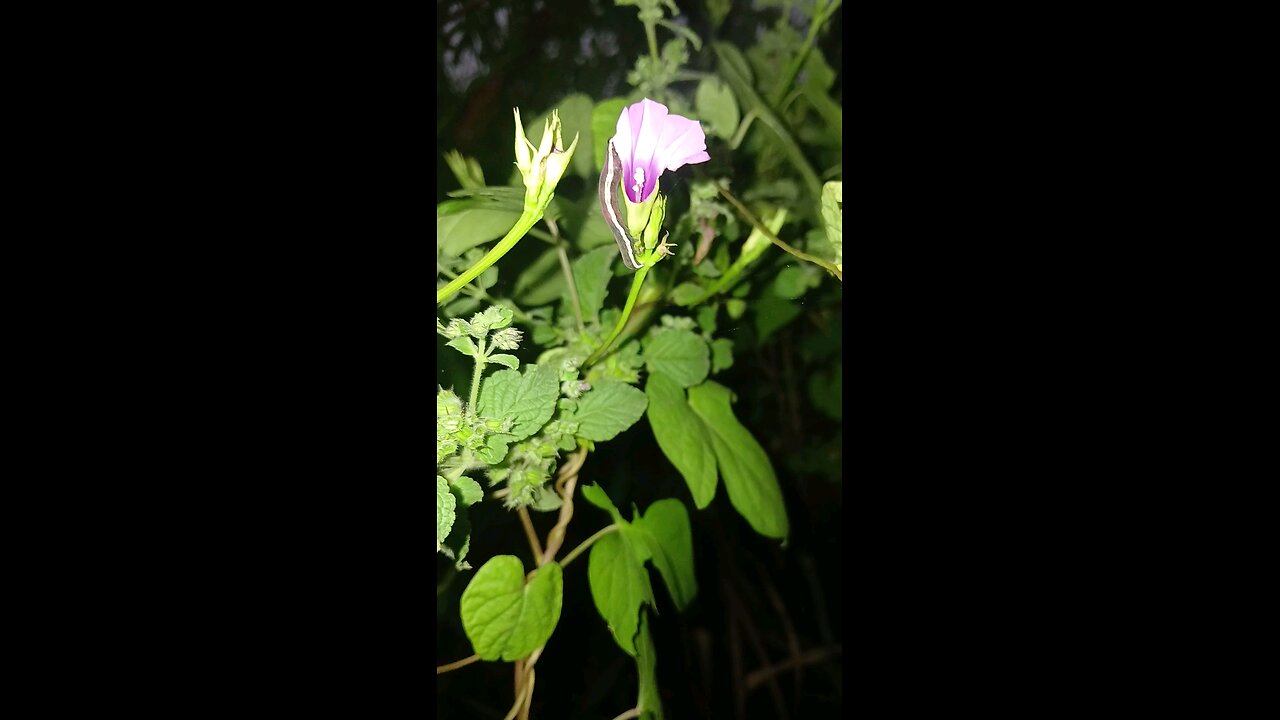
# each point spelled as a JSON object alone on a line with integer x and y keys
{"x": 507, "y": 339}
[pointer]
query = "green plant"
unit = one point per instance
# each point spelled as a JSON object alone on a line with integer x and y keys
{"x": 526, "y": 429}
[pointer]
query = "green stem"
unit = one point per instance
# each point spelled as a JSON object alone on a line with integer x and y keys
{"x": 526, "y": 221}
{"x": 828, "y": 266}
{"x": 478, "y": 292}
{"x": 586, "y": 544}
{"x": 820, "y": 16}
{"x": 568, "y": 274}
{"x": 626, "y": 313}
{"x": 652, "y": 38}
{"x": 475, "y": 377}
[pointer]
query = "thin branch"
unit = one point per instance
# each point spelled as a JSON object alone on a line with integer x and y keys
{"x": 565, "y": 486}
{"x": 824, "y": 264}
{"x": 632, "y": 713}
{"x": 530, "y": 533}
{"x": 568, "y": 272}
{"x": 763, "y": 675}
{"x": 440, "y": 669}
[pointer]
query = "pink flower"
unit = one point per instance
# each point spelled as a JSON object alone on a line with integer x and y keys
{"x": 650, "y": 141}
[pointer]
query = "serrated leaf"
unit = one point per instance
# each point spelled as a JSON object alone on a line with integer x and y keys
{"x": 721, "y": 354}
{"x": 619, "y": 585}
{"x": 707, "y": 318}
{"x": 717, "y": 107}
{"x": 682, "y": 437}
{"x": 510, "y": 361}
{"x": 607, "y": 409}
{"x": 529, "y": 398}
{"x": 665, "y": 528}
{"x": 748, "y": 475}
{"x": 591, "y": 274}
{"x": 504, "y": 617}
{"x": 833, "y": 218}
{"x": 649, "y": 700}
{"x": 467, "y": 490}
{"x": 445, "y": 503}
{"x": 679, "y": 354}
{"x": 458, "y": 543}
{"x": 463, "y": 344}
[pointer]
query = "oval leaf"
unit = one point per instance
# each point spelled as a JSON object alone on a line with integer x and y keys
{"x": 665, "y": 527}
{"x": 619, "y": 585}
{"x": 505, "y": 618}
{"x": 682, "y": 437}
{"x": 748, "y": 476}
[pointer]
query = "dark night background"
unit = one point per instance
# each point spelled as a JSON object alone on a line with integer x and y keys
{"x": 755, "y": 598}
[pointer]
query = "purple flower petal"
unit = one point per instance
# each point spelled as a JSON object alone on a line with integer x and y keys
{"x": 650, "y": 140}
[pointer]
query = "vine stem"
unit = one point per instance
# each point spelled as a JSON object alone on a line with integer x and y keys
{"x": 824, "y": 264}
{"x": 529, "y": 532}
{"x": 527, "y": 220}
{"x": 455, "y": 665}
{"x": 636, "y": 282}
{"x": 586, "y": 544}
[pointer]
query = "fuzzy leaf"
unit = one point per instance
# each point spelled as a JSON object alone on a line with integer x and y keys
{"x": 529, "y": 398}
{"x": 607, "y": 409}
{"x": 679, "y": 354}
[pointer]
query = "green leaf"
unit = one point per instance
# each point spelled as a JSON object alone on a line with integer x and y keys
{"x": 682, "y": 437}
{"x": 686, "y": 293}
{"x": 458, "y": 543}
{"x": 649, "y": 700}
{"x": 748, "y": 475}
{"x": 791, "y": 282}
{"x": 619, "y": 585}
{"x": 833, "y": 217}
{"x": 735, "y": 308}
{"x": 591, "y": 273}
{"x": 707, "y": 318}
{"x": 596, "y": 495}
{"x": 510, "y": 361}
{"x": 505, "y": 618}
{"x": 679, "y": 354}
{"x": 665, "y": 528}
{"x": 541, "y": 282}
{"x": 826, "y": 391}
{"x": 717, "y": 10}
{"x": 445, "y": 503}
{"x": 529, "y": 398}
{"x": 721, "y": 354}
{"x": 463, "y": 344}
{"x": 717, "y": 107}
{"x": 604, "y": 123}
{"x": 467, "y": 490}
{"x": 772, "y": 314}
{"x": 464, "y": 226}
{"x": 607, "y": 409}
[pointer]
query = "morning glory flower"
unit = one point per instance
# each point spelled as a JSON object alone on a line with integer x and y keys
{"x": 649, "y": 141}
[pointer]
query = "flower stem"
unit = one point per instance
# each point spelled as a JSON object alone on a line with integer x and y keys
{"x": 586, "y": 544}
{"x": 517, "y": 231}
{"x": 626, "y": 313}
{"x": 475, "y": 377}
